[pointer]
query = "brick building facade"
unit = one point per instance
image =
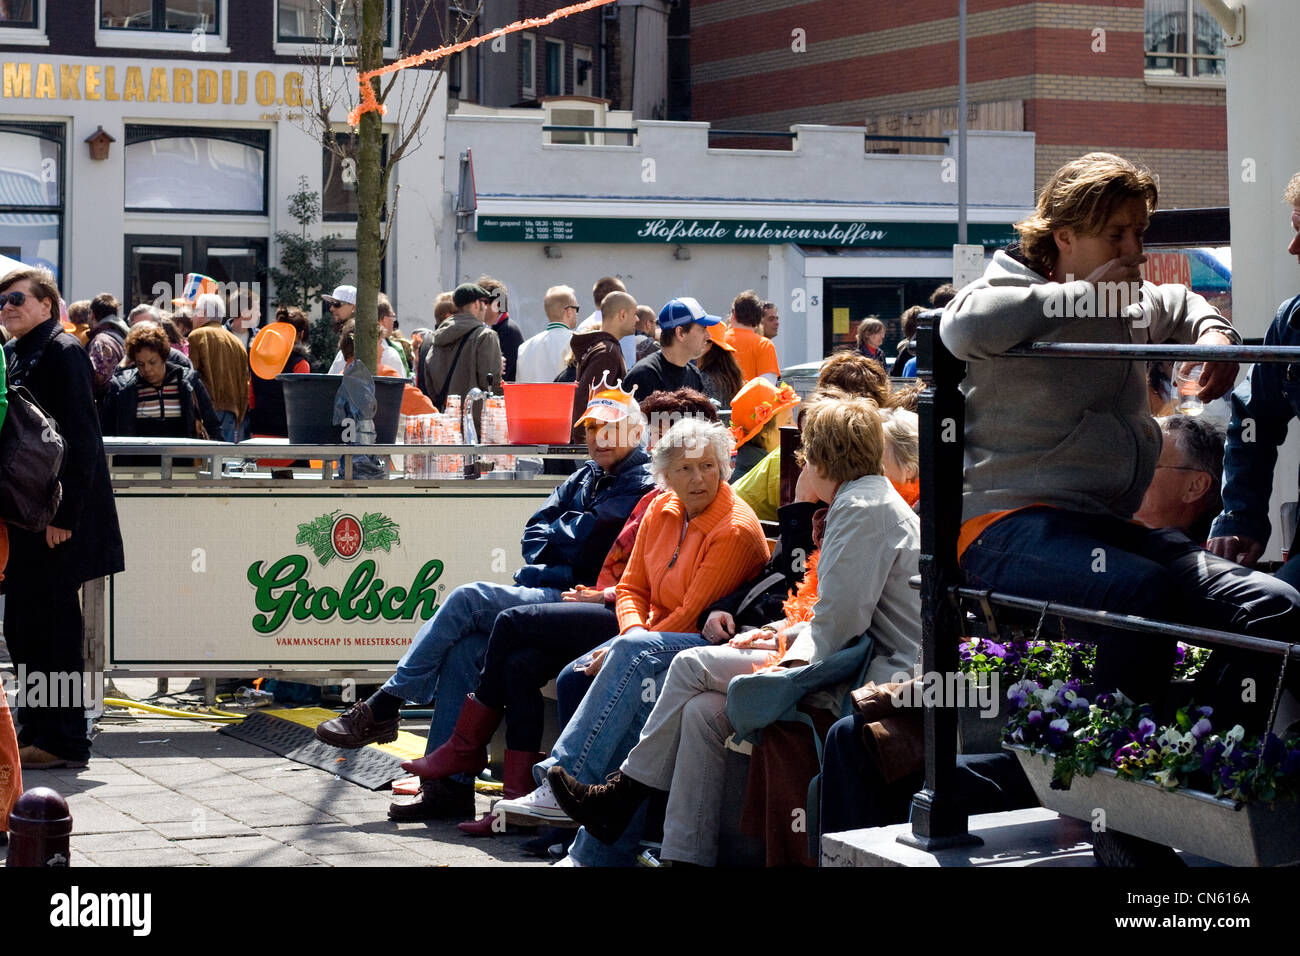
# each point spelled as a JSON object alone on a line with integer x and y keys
{"x": 1071, "y": 72}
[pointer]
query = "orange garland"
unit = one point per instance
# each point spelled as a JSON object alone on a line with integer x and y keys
{"x": 369, "y": 103}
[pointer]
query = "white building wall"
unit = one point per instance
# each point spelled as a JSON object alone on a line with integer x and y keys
{"x": 671, "y": 173}
{"x": 95, "y": 223}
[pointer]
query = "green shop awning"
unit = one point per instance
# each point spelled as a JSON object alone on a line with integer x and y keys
{"x": 847, "y": 233}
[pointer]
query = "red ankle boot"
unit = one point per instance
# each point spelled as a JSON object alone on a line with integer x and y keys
{"x": 467, "y": 750}
{"x": 519, "y": 781}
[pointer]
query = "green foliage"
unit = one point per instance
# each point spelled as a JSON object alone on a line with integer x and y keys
{"x": 305, "y": 271}
{"x": 378, "y": 531}
{"x": 317, "y": 535}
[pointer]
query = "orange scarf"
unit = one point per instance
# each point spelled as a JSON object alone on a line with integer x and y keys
{"x": 799, "y": 605}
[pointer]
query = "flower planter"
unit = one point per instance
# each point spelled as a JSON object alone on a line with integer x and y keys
{"x": 977, "y": 731}
{"x": 1254, "y": 835}
{"x": 309, "y": 408}
{"x": 977, "y": 734}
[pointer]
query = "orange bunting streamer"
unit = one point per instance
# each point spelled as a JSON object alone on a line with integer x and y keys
{"x": 369, "y": 103}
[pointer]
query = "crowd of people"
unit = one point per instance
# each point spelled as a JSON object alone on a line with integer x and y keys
{"x": 671, "y": 620}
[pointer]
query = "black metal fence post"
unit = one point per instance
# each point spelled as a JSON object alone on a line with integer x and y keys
{"x": 937, "y": 819}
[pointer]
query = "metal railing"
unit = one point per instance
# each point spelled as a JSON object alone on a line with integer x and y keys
{"x": 938, "y": 819}
{"x": 215, "y": 454}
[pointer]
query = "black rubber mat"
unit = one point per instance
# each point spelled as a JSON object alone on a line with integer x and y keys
{"x": 367, "y": 767}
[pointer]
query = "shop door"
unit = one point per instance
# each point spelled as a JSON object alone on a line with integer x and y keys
{"x": 156, "y": 266}
{"x": 849, "y": 301}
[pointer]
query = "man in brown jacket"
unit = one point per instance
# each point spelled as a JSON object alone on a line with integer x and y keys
{"x": 598, "y": 354}
{"x": 222, "y": 361}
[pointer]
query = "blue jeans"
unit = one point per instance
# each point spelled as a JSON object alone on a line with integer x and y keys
{"x": 444, "y": 659}
{"x": 1103, "y": 562}
{"x": 607, "y": 725}
{"x": 229, "y": 427}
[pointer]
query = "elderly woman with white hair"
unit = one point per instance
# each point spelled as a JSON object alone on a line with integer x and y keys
{"x": 868, "y": 553}
{"x": 696, "y": 542}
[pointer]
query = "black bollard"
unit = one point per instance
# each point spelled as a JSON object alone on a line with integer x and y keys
{"x": 40, "y": 826}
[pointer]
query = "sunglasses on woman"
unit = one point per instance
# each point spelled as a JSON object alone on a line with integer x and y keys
{"x": 16, "y": 299}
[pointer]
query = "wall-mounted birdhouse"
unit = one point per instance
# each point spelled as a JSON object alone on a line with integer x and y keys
{"x": 98, "y": 142}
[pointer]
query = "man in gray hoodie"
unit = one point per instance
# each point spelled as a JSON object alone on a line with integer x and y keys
{"x": 1060, "y": 451}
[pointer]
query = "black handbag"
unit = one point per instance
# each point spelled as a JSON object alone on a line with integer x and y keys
{"x": 31, "y": 457}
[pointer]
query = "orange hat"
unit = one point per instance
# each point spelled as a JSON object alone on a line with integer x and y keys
{"x": 608, "y": 403}
{"x": 719, "y": 335}
{"x": 757, "y": 404}
{"x": 271, "y": 348}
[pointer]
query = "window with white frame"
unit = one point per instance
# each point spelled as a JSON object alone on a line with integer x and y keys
{"x": 1182, "y": 40}
{"x": 554, "y": 67}
{"x": 190, "y": 169}
{"x": 324, "y": 21}
{"x": 527, "y": 66}
{"x": 196, "y": 26}
{"x": 23, "y": 22}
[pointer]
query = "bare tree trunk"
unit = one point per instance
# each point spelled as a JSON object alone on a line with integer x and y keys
{"x": 370, "y": 195}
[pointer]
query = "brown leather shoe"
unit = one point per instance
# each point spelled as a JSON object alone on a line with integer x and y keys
{"x": 356, "y": 727}
{"x": 605, "y": 809}
{"x": 437, "y": 800}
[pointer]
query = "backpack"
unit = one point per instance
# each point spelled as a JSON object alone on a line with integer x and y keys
{"x": 31, "y": 456}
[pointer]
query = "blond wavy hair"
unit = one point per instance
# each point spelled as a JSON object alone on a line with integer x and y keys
{"x": 1082, "y": 195}
{"x": 842, "y": 436}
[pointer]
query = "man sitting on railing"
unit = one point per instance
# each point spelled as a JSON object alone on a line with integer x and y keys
{"x": 1060, "y": 451}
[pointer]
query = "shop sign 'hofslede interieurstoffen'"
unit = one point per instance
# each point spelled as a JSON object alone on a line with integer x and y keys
{"x": 849, "y": 233}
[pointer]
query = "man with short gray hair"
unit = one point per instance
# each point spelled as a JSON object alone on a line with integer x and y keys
{"x": 1184, "y": 492}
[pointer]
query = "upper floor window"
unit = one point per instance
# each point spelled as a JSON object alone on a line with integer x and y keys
{"x": 170, "y": 16}
{"x": 329, "y": 22}
{"x": 554, "y": 67}
{"x": 1182, "y": 40}
{"x": 527, "y": 66}
{"x": 193, "y": 26}
{"x": 462, "y": 72}
{"x": 18, "y": 13}
{"x": 23, "y": 22}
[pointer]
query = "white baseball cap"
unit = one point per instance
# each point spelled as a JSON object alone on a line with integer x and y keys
{"x": 344, "y": 293}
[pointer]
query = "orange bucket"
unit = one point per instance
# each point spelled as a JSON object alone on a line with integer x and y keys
{"x": 539, "y": 413}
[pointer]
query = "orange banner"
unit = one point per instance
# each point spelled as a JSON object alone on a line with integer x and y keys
{"x": 368, "y": 101}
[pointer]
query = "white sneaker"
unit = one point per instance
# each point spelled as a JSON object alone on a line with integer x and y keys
{"x": 567, "y": 861}
{"x": 538, "y": 805}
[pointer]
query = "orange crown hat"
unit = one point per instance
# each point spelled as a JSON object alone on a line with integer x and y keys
{"x": 608, "y": 403}
{"x": 718, "y": 333}
{"x": 271, "y": 348}
{"x": 757, "y": 404}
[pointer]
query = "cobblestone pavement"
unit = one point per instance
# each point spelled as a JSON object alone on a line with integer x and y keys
{"x": 176, "y": 793}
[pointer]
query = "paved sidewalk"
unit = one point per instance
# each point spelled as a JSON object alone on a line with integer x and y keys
{"x": 177, "y": 793}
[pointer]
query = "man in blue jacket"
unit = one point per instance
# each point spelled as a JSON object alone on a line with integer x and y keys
{"x": 1262, "y": 408}
{"x": 564, "y": 544}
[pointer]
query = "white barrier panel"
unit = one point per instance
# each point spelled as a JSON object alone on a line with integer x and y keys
{"x": 298, "y": 581}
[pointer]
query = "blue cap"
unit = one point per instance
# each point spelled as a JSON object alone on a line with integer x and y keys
{"x": 682, "y": 311}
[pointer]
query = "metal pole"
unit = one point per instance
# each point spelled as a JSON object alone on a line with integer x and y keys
{"x": 961, "y": 123}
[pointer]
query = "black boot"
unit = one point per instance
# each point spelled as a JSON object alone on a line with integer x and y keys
{"x": 605, "y": 809}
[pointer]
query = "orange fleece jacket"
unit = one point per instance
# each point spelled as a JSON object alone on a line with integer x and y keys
{"x": 723, "y": 547}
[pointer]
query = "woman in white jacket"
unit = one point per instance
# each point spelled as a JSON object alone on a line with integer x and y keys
{"x": 869, "y": 551}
